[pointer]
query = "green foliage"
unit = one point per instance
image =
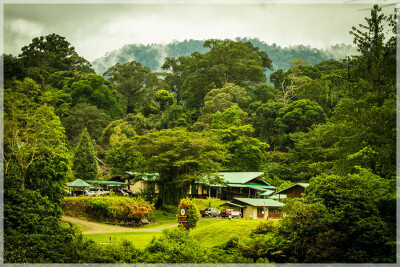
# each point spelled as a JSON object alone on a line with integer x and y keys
{"x": 340, "y": 220}
{"x": 84, "y": 161}
{"x": 32, "y": 230}
{"x": 164, "y": 98}
{"x": 222, "y": 98}
{"x": 209, "y": 202}
{"x": 54, "y": 53}
{"x": 111, "y": 209}
{"x": 192, "y": 212}
{"x": 98, "y": 209}
{"x": 235, "y": 62}
{"x": 247, "y": 153}
{"x": 85, "y": 116}
{"x": 179, "y": 157}
{"x": 131, "y": 80}
{"x": 35, "y": 152}
{"x": 95, "y": 90}
{"x": 122, "y": 157}
{"x": 175, "y": 117}
{"x": 177, "y": 246}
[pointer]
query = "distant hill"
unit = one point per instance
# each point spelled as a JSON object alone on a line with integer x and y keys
{"x": 153, "y": 55}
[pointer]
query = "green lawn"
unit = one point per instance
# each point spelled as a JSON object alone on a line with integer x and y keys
{"x": 159, "y": 218}
{"x": 208, "y": 233}
{"x": 139, "y": 240}
{"x": 216, "y": 232}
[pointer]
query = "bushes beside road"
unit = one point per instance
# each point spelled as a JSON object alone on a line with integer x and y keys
{"x": 119, "y": 210}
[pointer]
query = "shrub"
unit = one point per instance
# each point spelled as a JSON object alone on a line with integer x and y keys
{"x": 117, "y": 209}
{"x": 98, "y": 208}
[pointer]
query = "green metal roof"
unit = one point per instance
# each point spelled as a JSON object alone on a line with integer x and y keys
{"x": 260, "y": 202}
{"x": 277, "y": 196}
{"x": 233, "y": 204}
{"x": 239, "y": 177}
{"x": 78, "y": 183}
{"x": 267, "y": 193}
{"x": 145, "y": 176}
{"x": 260, "y": 187}
{"x": 106, "y": 182}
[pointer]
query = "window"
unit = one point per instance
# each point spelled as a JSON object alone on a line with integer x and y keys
{"x": 274, "y": 211}
{"x": 260, "y": 210}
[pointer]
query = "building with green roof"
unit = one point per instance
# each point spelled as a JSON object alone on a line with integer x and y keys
{"x": 232, "y": 184}
{"x": 139, "y": 181}
{"x": 256, "y": 208}
{"x": 294, "y": 191}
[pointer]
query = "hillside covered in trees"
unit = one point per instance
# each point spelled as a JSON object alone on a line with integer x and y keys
{"x": 153, "y": 55}
{"x": 330, "y": 123}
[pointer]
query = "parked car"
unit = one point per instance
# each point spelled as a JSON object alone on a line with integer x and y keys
{"x": 230, "y": 213}
{"x": 120, "y": 192}
{"x": 97, "y": 191}
{"x": 210, "y": 212}
{"x": 129, "y": 192}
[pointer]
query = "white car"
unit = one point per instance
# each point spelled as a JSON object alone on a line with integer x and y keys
{"x": 97, "y": 191}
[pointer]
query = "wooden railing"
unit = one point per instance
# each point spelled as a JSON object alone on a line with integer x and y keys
{"x": 274, "y": 216}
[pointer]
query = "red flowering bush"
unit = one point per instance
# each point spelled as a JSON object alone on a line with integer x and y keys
{"x": 140, "y": 210}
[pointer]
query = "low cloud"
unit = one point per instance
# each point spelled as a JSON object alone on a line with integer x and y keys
{"x": 97, "y": 29}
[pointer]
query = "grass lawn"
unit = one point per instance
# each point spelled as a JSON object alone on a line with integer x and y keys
{"x": 159, "y": 218}
{"x": 139, "y": 240}
{"x": 210, "y": 233}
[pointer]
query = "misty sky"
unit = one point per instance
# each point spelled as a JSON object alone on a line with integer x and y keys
{"x": 97, "y": 29}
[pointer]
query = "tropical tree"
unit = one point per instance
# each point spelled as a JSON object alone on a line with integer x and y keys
{"x": 180, "y": 157}
{"x": 84, "y": 160}
{"x": 53, "y": 53}
{"x": 131, "y": 80}
{"x": 96, "y": 90}
{"x": 35, "y": 151}
{"x": 85, "y": 116}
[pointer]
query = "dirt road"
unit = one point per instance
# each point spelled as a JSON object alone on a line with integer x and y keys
{"x": 97, "y": 228}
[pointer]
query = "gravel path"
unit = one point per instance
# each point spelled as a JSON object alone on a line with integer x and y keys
{"x": 97, "y": 228}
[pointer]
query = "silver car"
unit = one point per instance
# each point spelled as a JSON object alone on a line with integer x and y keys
{"x": 97, "y": 191}
{"x": 210, "y": 212}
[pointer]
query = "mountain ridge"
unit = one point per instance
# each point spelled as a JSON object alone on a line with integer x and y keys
{"x": 153, "y": 55}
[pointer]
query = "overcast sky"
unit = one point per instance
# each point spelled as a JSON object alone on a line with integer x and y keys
{"x": 95, "y": 29}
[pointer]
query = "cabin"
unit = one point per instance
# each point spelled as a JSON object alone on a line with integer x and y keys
{"x": 233, "y": 184}
{"x": 294, "y": 191}
{"x": 256, "y": 208}
{"x": 139, "y": 182}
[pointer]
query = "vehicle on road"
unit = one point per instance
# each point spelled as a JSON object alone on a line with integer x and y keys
{"x": 230, "y": 213}
{"x": 210, "y": 212}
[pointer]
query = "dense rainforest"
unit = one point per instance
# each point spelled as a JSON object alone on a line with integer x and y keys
{"x": 330, "y": 123}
